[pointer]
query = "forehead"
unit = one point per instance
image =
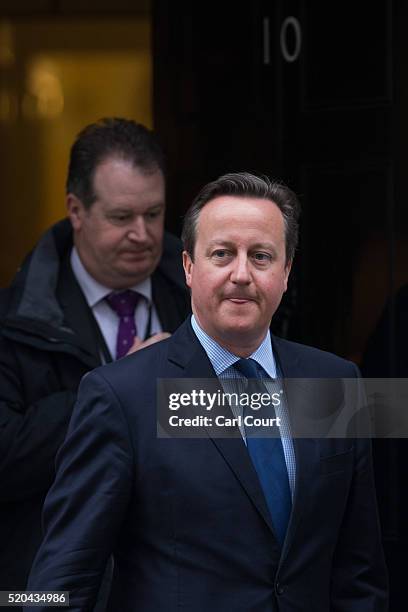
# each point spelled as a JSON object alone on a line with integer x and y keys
{"x": 234, "y": 217}
{"x": 119, "y": 180}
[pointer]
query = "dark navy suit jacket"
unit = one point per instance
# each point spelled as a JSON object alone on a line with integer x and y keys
{"x": 186, "y": 518}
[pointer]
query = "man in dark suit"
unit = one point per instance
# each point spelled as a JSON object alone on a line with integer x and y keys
{"x": 215, "y": 522}
{"x": 62, "y": 316}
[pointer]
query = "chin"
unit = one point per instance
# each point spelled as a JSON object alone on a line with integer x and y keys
{"x": 140, "y": 272}
{"x": 239, "y": 333}
{"x": 240, "y": 324}
{"x": 124, "y": 279}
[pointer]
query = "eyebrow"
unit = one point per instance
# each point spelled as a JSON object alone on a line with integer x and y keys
{"x": 154, "y": 208}
{"x": 128, "y": 208}
{"x": 229, "y": 244}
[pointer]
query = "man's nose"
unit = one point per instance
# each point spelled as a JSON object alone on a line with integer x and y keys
{"x": 241, "y": 273}
{"x": 137, "y": 232}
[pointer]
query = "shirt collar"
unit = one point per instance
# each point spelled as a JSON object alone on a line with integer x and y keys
{"x": 221, "y": 359}
{"x": 95, "y": 292}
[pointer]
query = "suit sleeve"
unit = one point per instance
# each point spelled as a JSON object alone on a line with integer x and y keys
{"x": 86, "y": 504}
{"x": 359, "y": 575}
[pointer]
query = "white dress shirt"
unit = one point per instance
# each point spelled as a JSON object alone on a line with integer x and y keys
{"x": 107, "y": 319}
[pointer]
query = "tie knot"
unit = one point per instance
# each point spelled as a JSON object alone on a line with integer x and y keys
{"x": 248, "y": 368}
{"x": 123, "y": 303}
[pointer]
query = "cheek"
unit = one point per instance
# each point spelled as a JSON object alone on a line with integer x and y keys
{"x": 208, "y": 281}
{"x": 156, "y": 232}
{"x": 200, "y": 285}
{"x": 273, "y": 290}
{"x": 109, "y": 241}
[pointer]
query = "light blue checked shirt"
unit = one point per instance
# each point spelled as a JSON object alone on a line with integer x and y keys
{"x": 223, "y": 363}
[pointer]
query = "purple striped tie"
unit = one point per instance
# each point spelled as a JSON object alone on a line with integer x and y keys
{"x": 124, "y": 304}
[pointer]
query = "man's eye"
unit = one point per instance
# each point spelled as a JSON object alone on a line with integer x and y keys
{"x": 220, "y": 253}
{"x": 120, "y": 218}
{"x": 152, "y": 214}
{"x": 262, "y": 257}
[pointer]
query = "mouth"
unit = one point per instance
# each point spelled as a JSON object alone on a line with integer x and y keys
{"x": 239, "y": 300}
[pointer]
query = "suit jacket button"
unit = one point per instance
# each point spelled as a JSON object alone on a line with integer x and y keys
{"x": 279, "y": 589}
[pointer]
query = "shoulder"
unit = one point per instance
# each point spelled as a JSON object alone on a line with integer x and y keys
{"x": 312, "y": 362}
{"x": 138, "y": 369}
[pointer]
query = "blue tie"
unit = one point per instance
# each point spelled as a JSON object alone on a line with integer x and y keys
{"x": 268, "y": 457}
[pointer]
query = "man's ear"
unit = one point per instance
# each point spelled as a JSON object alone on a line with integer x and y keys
{"x": 75, "y": 210}
{"x": 288, "y": 268}
{"x": 188, "y": 266}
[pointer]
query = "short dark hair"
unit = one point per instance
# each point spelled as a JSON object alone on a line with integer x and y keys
{"x": 246, "y": 185}
{"x": 110, "y": 137}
